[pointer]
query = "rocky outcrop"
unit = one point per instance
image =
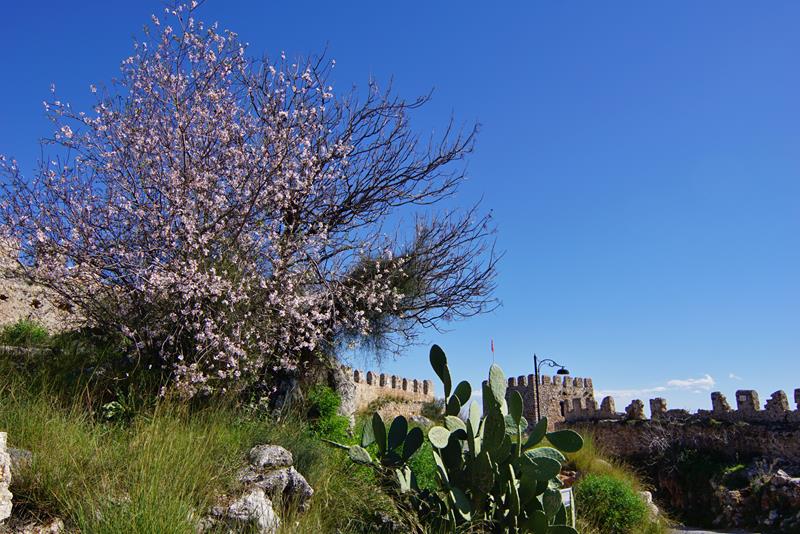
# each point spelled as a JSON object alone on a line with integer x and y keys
{"x": 761, "y": 498}
{"x": 268, "y": 480}
{"x": 5, "y": 480}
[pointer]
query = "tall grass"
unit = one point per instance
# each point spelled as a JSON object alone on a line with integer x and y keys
{"x": 592, "y": 459}
{"x": 164, "y": 468}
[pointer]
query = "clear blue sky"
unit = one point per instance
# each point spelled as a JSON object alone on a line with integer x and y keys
{"x": 641, "y": 160}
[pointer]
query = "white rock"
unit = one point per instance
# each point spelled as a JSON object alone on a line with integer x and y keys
{"x": 56, "y": 526}
{"x": 285, "y": 485}
{"x": 270, "y": 457}
{"x": 647, "y": 497}
{"x": 5, "y": 479}
{"x": 255, "y": 508}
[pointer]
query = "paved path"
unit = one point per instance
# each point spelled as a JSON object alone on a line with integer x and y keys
{"x": 687, "y": 530}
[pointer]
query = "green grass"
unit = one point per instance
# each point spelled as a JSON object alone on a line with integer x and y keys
{"x": 162, "y": 468}
{"x": 591, "y": 459}
{"x": 24, "y": 333}
{"x": 424, "y": 467}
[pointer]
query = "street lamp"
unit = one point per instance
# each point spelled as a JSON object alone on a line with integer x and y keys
{"x": 536, "y": 366}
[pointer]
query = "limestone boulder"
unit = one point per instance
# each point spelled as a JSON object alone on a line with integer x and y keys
{"x": 52, "y": 526}
{"x": 5, "y": 479}
{"x": 270, "y": 476}
{"x": 271, "y": 470}
{"x": 252, "y": 511}
{"x": 647, "y": 497}
{"x": 270, "y": 457}
{"x": 254, "y": 508}
{"x": 285, "y": 485}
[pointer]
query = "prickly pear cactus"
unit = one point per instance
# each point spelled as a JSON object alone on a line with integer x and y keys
{"x": 490, "y": 469}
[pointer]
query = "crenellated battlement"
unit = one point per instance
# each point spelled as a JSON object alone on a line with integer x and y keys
{"x": 370, "y": 386}
{"x": 529, "y": 381}
{"x": 556, "y": 395}
{"x": 748, "y": 409}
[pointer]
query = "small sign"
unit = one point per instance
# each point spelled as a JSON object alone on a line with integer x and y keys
{"x": 568, "y": 499}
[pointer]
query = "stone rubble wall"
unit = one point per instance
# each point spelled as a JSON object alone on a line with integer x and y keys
{"x": 20, "y": 299}
{"x": 748, "y": 431}
{"x": 370, "y": 386}
{"x": 748, "y": 409}
{"x": 640, "y": 441}
{"x": 557, "y": 395}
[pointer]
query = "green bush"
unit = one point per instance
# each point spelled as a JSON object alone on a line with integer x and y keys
{"x": 24, "y": 333}
{"x": 323, "y": 412}
{"x": 610, "y": 505}
{"x": 423, "y": 465}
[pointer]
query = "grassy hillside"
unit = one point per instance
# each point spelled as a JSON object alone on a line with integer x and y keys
{"x": 110, "y": 456}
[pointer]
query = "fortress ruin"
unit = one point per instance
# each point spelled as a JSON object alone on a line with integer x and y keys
{"x": 556, "y": 395}
{"x": 370, "y": 386}
{"x": 748, "y": 409}
{"x": 749, "y": 431}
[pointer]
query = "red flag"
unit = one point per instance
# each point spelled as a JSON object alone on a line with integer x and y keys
{"x": 493, "y": 347}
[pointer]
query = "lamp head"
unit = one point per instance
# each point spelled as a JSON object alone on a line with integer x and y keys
{"x": 562, "y": 371}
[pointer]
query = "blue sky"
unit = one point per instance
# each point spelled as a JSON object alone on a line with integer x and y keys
{"x": 641, "y": 160}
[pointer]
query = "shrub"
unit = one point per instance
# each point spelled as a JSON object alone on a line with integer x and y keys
{"x": 24, "y": 333}
{"x": 610, "y": 505}
{"x": 433, "y": 410}
{"x": 326, "y": 422}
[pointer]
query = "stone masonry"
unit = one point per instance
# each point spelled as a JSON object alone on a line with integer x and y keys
{"x": 371, "y": 386}
{"x": 558, "y": 396}
{"x": 748, "y": 431}
{"x": 20, "y": 299}
{"x": 748, "y": 409}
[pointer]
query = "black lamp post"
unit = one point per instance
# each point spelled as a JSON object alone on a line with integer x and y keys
{"x": 537, "y": 364}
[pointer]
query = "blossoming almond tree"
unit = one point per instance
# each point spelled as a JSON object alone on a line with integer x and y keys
{"x": 227, "y": 214}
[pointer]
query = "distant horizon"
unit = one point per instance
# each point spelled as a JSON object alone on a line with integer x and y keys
{"x": 641, "y": 162}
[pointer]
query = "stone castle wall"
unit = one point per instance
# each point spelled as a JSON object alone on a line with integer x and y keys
{"x": 20, "y": 299}
{"x": 557, "y": 395}
{"x": 748, "y": 409}
{"x": 370, "y": 386}
{"x": 748, "y": 431}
